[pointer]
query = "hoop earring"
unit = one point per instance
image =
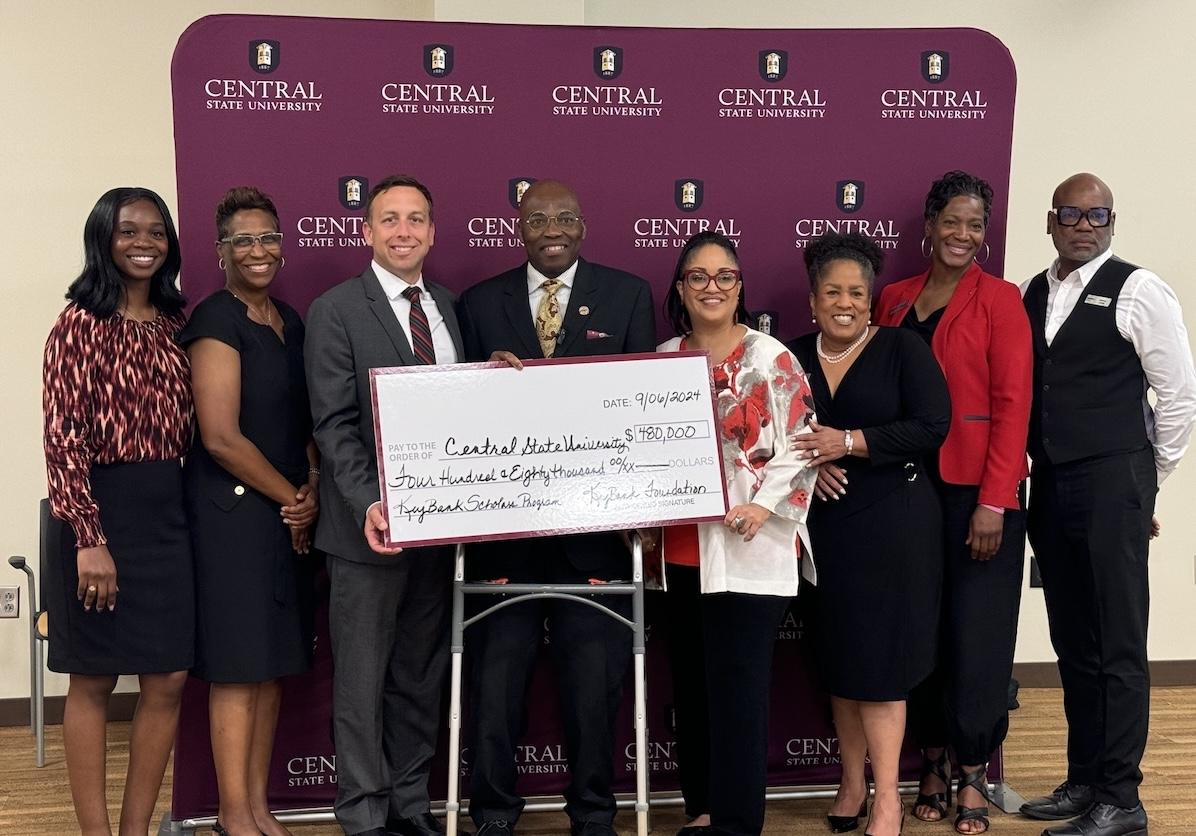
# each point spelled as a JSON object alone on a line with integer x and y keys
{"x": 987, "y": 255}
{"x": 221, "y": 262}
{"x": 925, "y": 246}
{"x": 284, "y": 263}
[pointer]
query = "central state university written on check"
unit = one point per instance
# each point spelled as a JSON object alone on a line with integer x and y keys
{"x": 483, "y": 451}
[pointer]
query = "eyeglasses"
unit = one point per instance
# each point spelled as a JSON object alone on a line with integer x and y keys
{"x": 269, "y": 240}
{"x": 565, "y": 221}
{"x": 1097, "y": 216}
{"x": 698, "y": 279}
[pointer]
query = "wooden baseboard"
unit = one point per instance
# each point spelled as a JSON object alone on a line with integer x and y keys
{"x": 15, "y": 712}
{"x": 1171, "y": 673}
{"x": 1166, "y": 674}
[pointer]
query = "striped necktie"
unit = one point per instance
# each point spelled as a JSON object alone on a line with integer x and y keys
{"x": 421, "y": 332}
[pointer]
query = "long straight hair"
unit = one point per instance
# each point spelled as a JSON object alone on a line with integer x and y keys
{"x": 100, "y": 288}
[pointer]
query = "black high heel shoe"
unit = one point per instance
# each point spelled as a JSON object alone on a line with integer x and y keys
{"x": 846, "y": 824}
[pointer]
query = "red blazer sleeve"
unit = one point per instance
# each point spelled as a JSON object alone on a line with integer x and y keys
{"x": 1011, "y": 371}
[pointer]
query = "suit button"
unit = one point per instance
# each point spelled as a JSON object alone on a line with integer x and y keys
{"x": 1048, "y": 362}
{"x": 1046, "y": 387}
{"x": 239, "y": 490}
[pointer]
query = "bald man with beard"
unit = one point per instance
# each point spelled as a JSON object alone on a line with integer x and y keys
{"x": 1105, "y": 331}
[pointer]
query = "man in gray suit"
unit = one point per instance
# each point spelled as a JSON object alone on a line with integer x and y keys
{"x": 388, "y": 613}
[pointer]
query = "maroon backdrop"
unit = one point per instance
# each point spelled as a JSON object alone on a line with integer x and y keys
{"x": 774, "y": 136}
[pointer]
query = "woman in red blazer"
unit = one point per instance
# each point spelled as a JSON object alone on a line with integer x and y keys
{"x": 978, "y": 330}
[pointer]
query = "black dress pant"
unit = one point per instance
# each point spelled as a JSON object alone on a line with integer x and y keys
{"x": 590, "y": 652}
{"x": 1089, "y": 524}
{"x": 964, "y": 702}
{"x": 687, "y": 664}
{"x": 739, "y": 632}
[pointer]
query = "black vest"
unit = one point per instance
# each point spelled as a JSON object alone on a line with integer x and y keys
{"x": 1088, "y": 383}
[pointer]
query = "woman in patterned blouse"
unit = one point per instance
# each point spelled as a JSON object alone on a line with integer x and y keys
{"x": 117, "y": 411}
{"x": 730, "y": 583}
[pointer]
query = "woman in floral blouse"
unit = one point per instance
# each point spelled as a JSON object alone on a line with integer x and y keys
{"x": 117, "y": 410}
{"x": 730, "y": 583}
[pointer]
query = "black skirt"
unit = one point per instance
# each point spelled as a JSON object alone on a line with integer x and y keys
{"x": 152, "y": 629}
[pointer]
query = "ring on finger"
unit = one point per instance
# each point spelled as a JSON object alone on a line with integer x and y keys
{"x": 737, "y": 522}
{"x": 91, "y": 588}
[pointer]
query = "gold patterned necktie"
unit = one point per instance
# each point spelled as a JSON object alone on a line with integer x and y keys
{"x": 548, "y": 317}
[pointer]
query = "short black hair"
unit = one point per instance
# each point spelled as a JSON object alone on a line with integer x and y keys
{"x": 956, "y": 184}
{"x": 100, "y": 288}
{"x": 832, "y": 247}
{"x": 393, "y": 181}
{"x": 674, "y": 307}
{"x": 238, "y": 199}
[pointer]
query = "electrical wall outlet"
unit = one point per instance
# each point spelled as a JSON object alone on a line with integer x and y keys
{"x": 10, "y": 601}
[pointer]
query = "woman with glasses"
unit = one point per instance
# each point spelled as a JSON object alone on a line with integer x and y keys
{"x": 882, "y": 408}
{"x": 117, "y": 411}
{"x": 729, "y": 583}
{"x": 977, "y": 327}
{"x": 251, "y": 497}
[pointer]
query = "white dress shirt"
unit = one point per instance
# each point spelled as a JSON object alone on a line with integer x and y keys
{"x": 1148, "y": 315}
{"x": 535, "y": 293}
{"x": 393, "y": 287}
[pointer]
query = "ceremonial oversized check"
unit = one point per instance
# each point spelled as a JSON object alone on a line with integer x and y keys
{"x": 482, "y": 451}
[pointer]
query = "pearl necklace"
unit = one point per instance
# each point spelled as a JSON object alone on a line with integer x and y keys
{"x": 841, "y": 356}
{"x": 268, "y": 316}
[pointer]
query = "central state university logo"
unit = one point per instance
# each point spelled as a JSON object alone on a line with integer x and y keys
{"x": 438, "y": 60}
{"x": 688, "y": 194}
{"x": 352, "y": 191}
{"x": 608, "y": 61}
{"x": 849, "y": 195}
{"x": 264, "y": 56}
{"x": 773, "y": 64}
{"x": 516, "y": 186}
{"x": 936, "y": 64}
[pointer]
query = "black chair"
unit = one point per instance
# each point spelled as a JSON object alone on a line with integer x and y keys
{"x": 49, "y": 540}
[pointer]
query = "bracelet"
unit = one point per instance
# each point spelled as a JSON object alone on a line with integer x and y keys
{"x": 313, "y": 471}
{"x": 848, "y": 441}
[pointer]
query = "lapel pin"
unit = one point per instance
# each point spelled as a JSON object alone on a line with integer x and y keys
{"x": 584, "y": 310}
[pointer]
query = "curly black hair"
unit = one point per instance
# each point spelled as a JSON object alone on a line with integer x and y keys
{"x": 832, "y": 247}
{"x": 240, "y": 198}
{"x": 955, "y": 184}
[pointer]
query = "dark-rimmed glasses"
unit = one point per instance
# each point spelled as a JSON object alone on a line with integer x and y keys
{"x": 1097, "y": 216}
{"x": 565, "y": 221}
{"x": 269, "y": 240}
{"x": 699, "y": 279}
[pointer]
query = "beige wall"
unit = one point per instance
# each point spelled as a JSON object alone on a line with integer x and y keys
{"x": 86, "y": 105}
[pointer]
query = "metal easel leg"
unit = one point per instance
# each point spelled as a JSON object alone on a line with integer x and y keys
{"x": 641, "y": 704}
{"x": 452, "y": 805}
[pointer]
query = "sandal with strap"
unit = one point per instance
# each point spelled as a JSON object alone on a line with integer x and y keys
{"x": 940, "y": 768}
{"x": 978, "y": 781}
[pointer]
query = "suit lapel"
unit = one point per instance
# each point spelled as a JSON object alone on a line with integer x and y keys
{"x": 583, "y": 295}
{"x": 900, "y": 307}
{"x": 964, "y": 293}
{"x": 380, "y": 307}
{"x": 519, "y": 312}
{"x": 444, "y": 303}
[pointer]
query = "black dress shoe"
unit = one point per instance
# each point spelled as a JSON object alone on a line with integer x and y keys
{"x": 496, "y": 827}
{"x": 694, "y": 830}
{"x": 1066, "y": 802}
{"x": 591, "y": 828}
{"x": 1104, "y": 820}
{"x": 425, "y": 824}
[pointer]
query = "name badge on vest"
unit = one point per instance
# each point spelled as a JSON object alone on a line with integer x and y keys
{"x": 1099, "y": 301}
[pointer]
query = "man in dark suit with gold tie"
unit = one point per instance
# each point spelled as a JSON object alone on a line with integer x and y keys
{"x": 388, "y": 612}
{"x": 554, "y": 305}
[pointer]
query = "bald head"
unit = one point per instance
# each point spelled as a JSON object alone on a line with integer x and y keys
{"x": 1081, "y": 241}
{"x": 554, "y": 246}
{"x": 1083, "y": 181}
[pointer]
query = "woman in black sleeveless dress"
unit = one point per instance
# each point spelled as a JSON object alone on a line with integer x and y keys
{"x": 251, "y": 498}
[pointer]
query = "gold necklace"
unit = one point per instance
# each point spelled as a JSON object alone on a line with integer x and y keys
{"x": 268, "y": 316}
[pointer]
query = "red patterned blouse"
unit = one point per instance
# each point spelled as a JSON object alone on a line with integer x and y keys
{"x": 115, "y": 390}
